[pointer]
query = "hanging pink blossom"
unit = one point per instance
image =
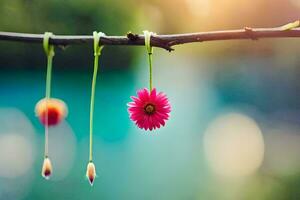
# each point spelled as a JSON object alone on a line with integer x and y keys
{"x": 56, "y": 108}
{"x": 149, "y": 110}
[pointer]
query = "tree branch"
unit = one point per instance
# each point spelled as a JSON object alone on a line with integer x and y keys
{"x": 161, "y": 41}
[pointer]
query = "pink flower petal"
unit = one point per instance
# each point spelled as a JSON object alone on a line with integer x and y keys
{"x": 144, "y": 119}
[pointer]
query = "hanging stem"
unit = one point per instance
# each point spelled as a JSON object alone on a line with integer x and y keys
{"x": 48, "y": 92}
{"x": 149, "y": 48}
{"x": 49, "y": 50}
{"x": 150, "y": 71}
{"x": 97, "y": 52}
{"x": 49, "y": 75}
{"x": 96, "y": 61}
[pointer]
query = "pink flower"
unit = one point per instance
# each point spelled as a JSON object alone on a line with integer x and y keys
{"x": 149, "y": 110}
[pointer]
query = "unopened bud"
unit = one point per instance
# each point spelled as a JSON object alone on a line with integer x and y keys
{"x": 91, "y": 172}
{"x": 47, "y": 168}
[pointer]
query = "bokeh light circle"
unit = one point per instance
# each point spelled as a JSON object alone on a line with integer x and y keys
{"x": 16, "y": 155}
{"x": 62, "y": 150}
{"x": 234, "y": 145}
{"x": 17, "y": 143}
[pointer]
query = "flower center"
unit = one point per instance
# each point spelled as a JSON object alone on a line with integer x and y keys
{"x": 149, "y": 108}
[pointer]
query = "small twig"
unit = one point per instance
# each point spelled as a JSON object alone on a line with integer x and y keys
{"x": 162, "y": 41}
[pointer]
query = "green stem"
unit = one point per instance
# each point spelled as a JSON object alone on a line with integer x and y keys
{"x": 49, "y": 50}
{"x": 150, "y": 70}
{"x": 96, "y": 61}
{"x": 48, "y": 77}
{"x": 149, "y": 48}
{"x": 48, "y": 92}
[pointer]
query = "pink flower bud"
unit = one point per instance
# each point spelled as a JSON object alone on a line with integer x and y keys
{"x": 47, "y": 168}
{"x": 91, "y": 172}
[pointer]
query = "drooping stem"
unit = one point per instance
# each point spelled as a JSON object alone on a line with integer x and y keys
{"x": 97, "y": 52}
{"x": 48, "y": 93}
{"x": 49, "y": 50}
{"x": 96, "y": 61}
{"x": 150, "y": 71}
{"x": 149, "y": 49}
{"x": 48, "y": 76}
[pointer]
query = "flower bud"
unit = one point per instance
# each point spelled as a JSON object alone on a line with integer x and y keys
{"x": 91, "y": 172}
{"x": 57, "y": 111}
{"x": 47, "y": 168}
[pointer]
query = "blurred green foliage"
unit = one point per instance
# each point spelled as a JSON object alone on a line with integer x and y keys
{"x": 72, "y": 17}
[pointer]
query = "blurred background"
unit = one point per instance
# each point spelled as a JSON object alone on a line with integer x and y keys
{"x": 234, "y": 130}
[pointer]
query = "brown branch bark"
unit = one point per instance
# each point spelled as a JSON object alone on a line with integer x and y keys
{"x": 161, "y": 41}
